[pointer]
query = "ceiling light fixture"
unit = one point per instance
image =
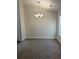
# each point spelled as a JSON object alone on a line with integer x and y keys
{"x": 38, "y": 15}
{"x": 50, "y": 5}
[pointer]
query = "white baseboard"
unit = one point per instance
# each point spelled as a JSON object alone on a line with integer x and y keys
{"x": 43, "y": 37}
{"x": 59, "y": 39}
{"x": 24, "y": 38}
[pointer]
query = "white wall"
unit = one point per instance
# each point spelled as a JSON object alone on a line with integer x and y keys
{"x": 19, "y": 36}
{"x": 59, "y": 23}
{"x": 59, "y": 26}
{"x": 22, "y": 20}
{"x": 42, "y": 27}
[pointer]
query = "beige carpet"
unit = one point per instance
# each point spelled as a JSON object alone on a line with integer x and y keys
{"x": 39, "y": 49}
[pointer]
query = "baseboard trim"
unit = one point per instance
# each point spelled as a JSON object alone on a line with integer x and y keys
{"x": 59, "y": 39}
{"x": 43, "y": 37}
{"x": 24, "y": 38}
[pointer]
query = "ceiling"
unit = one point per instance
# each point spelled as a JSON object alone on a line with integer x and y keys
{"x": 56, "y": 4}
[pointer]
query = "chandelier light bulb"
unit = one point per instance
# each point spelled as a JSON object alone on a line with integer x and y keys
{"x": 38, "y": 15}
{"x": 41, "y": 15}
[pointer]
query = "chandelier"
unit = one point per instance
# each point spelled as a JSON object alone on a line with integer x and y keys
{"x": 38, "y": 15}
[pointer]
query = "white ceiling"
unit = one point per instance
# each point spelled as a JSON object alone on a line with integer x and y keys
{"x": 56, "y": 4}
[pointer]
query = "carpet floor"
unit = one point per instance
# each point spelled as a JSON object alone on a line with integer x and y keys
{"x": 39, "y": 49}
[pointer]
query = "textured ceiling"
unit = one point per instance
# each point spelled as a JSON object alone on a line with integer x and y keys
{"x": 56, "y": 4}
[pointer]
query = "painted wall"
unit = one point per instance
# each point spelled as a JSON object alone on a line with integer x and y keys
{"x": 22, "y": 20}
{"x": 59, "y": 23}
{"x": 59, "y": 26}
{"x": 19, "y": 36}
{"x": 42, "y": 27}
